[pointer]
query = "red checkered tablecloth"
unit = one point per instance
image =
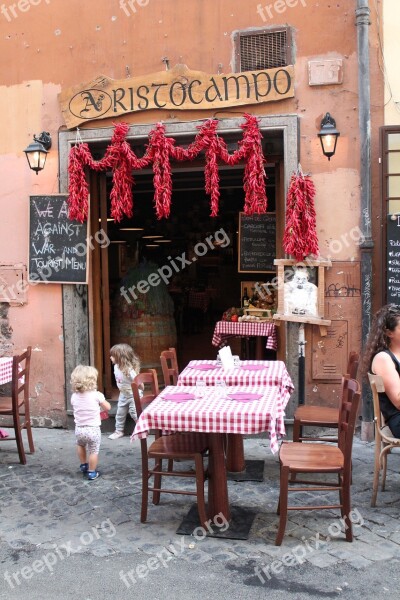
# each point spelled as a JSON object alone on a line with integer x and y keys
{"x": 226, "y": 329}
{"x": 6, "y": 369}
{"x": 274, "y": 372}
{"x": 215, "y": 413}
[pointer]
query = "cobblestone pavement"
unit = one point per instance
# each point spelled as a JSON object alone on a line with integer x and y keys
{"x": 47, "y": 504}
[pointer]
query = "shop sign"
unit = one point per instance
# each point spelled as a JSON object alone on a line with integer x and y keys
{"x": 177, "y": 89}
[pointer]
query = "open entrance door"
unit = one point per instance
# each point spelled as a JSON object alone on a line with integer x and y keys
{"x": 99, "y": 298}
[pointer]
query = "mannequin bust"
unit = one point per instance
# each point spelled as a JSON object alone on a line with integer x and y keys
{"x": 300, "y": 295}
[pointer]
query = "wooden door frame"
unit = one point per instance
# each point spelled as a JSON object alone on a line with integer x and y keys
{"x": 98, "y": 289}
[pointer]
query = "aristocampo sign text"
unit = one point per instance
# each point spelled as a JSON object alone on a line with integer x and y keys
{"x": 177, "y": 89}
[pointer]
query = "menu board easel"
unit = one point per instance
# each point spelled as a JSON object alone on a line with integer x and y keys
{"x": 257, "y": 243}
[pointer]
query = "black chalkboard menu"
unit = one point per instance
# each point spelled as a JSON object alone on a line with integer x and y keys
{"x": 257, "y": 243}
{"x": 393, "y": 260}
{"x": 57, "y": 246}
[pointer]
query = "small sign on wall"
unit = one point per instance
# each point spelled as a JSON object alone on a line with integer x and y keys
{"x": 13, "y": 284}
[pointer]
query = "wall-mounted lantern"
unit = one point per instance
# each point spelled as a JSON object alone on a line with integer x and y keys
{"x": 37, "y": 151}
{"x": 328, "y": 135}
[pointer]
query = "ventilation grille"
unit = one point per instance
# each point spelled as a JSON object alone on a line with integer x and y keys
{"x": 264, "y": 51}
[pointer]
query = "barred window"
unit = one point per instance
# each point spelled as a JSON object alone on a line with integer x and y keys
{"x": 270, "y": 49}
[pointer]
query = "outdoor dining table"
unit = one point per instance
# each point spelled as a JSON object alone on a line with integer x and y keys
{"x": 248, "y": 372}
{"x": 6, "y": 363}
{"x": 212, "y": 410}
{"x": 225, "y": 329}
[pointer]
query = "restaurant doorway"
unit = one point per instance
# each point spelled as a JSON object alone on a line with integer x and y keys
{"x": 200, "y": 291}
{"x": 85, "y": 330}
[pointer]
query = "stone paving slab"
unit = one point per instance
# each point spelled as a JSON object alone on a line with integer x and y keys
{"x": 47, "y": 504}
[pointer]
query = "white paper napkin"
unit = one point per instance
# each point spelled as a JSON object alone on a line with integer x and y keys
{"x": 226, "y": 357}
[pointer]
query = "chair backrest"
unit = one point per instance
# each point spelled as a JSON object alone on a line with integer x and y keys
{"x": 352, "y": 365}
{"x": 377, "y": 387}
{"x": 147, "y": 382}
{"x": 169, "y": 365}
{"x": 20, "y": 375}
{"x": 347, "y": 419}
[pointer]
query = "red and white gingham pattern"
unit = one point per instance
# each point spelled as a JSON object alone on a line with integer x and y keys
{"x": 215, "y": 413}
{"x": 6, "y": 369}
{"x": 225, "y": 329}
{"x": 273, "y": 373}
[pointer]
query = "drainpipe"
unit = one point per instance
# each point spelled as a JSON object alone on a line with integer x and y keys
{"x": 366, "y": 247}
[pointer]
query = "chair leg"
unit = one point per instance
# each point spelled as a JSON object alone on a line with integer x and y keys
{"x": 30, "y": 439}
{"x": 145, "y": 489}
{"x": 347, "y": 508}
{"x": 18, "y": 438}
{"x": 28, "y": 427}
{"x": 297, "y": 433}
{"x": 296, "y": 430}
{"x": 384, "y": 454}
{"x": 157, "y": 482}
{"x": 377, "y": 468}
{"x": 201, "y": 505}
{"x": 283, "y": 502}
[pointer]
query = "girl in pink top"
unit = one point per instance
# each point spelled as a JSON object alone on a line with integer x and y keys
{"x": 86, "y": 402}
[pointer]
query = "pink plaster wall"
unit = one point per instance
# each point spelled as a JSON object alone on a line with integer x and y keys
{"x": 49, "y": 45}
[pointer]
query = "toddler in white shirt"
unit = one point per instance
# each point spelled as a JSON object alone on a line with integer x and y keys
{"x": 86, "y": 402}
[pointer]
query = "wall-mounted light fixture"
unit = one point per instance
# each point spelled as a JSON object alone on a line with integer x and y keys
{"x": 36, "y": 152}
{"x": 328, "y": 135}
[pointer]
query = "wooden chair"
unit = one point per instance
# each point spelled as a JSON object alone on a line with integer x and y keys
{"x": 169, "y": 365}
{"x": 314, "y": 458}
{"x": 18, "y": 405}
{"x": 384, "y": 438}
{"x": 177, "y": 446}
{"x": 321, "y": 416}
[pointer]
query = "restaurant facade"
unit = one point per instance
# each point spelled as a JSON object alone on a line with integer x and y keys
{"x": 140, "y": 98}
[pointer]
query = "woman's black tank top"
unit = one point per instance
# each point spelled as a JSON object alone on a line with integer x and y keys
{"x": 387, "y": 408}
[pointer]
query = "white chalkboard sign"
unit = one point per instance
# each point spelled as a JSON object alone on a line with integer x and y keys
{"x": 393, "y": 260}
{"x": 257, "y": 243}
{"x": 57, "y": 246}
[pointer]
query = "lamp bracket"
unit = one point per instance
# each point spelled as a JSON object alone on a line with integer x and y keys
{"x": 328, "y": 120}
{"x": 44, "y": 138}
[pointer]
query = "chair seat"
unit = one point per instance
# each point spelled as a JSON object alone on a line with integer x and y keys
{"x": 388, "y": 436}
{"x": 317, "y": 415}
{"x": 179, "y": 445}
{"x": 310, "y": 457}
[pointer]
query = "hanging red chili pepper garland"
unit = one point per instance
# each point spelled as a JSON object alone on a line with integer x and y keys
{"x": 121, "y": 159}
{"x": 300, "y": 237}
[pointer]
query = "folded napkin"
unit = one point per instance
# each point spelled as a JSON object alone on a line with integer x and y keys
{"x": 244, "y": 396}
{"x": 178, "y": 397}
{"x": 253, "y": 367}
{"x": 3, "y": 434}
{"x": 226, "y": 357}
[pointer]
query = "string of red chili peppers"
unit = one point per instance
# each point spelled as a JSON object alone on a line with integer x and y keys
{"x": 121, "y": 159}
{"x": 300, "y": 237}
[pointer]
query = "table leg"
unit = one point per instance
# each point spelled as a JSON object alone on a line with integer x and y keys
{"x": 259, "y": 348}
{"x": 235, "y": 453}
{"x": 218, "y": 501}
